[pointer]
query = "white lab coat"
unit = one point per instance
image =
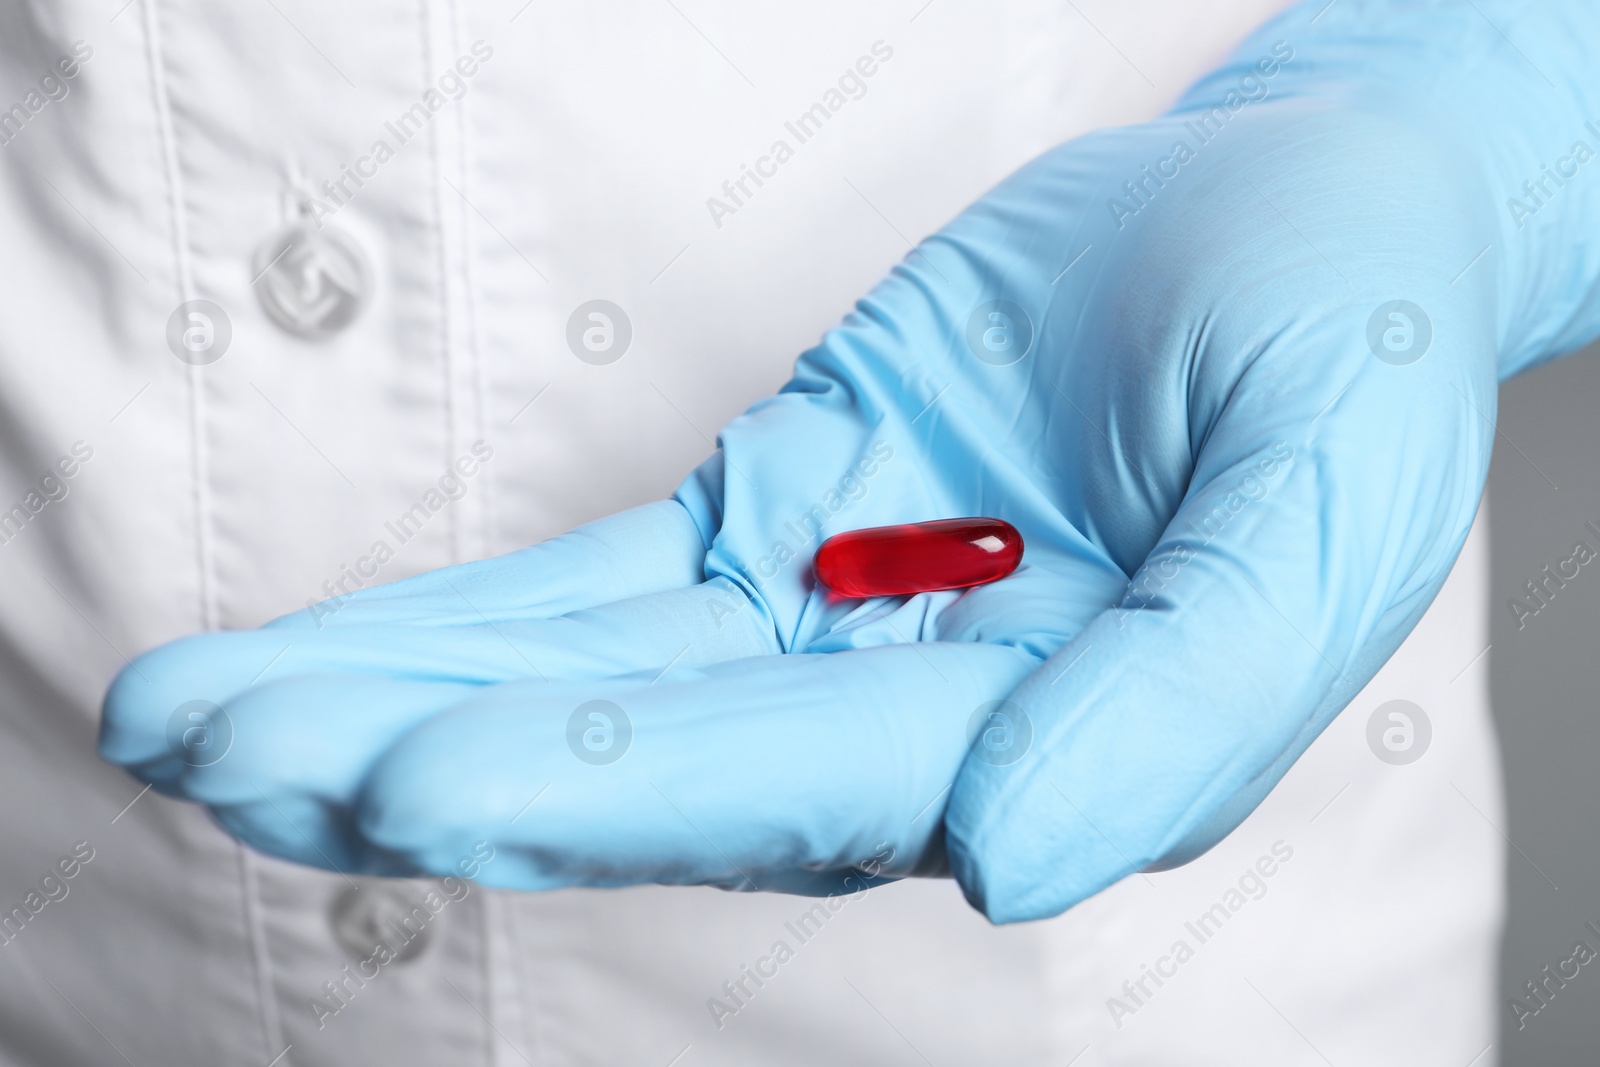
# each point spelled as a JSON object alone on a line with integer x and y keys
{"x": 575, "y": 162}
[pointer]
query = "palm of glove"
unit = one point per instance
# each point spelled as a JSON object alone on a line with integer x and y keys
{"x": 1235, "y": 506}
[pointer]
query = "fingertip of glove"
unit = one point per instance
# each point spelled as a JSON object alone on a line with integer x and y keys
{"x": 1003, "y": 897}
{"x": 136, "y": 697}
{"x": 1019, "y": 862}
{"x": 166, "y": 688}
{"x": 424, "y": 799}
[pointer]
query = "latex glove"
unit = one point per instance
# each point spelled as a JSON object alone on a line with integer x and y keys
{"x": 1240, "y": 479}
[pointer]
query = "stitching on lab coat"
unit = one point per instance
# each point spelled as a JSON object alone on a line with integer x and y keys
{"x": 488, "y": 918}
{"x": 520, "y": 981}
{"x": 486, "y": 913}
{"x": 271, "y": 1022}
{"x": 446, "y": 349}
{"x": 205, "y": 561}
{"x": 271, "y": 1027}
{"x": 474, "y": 342}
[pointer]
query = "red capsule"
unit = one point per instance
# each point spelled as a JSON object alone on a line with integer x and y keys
{"x": 918, "y": 557}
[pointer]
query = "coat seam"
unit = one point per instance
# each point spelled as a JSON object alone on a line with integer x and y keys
{"x": 469, "y": 296}
{"x": 271, "y": 1024}
{"x": 446, "y": 343}
{"x": 199, "y": 454}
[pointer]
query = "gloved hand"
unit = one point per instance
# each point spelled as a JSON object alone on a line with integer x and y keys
{"x": 1232, "y": 374}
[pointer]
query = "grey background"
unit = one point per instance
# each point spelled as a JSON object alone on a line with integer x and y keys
{"x": 1544, "y": 678}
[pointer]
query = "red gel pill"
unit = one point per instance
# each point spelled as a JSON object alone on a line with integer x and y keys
{"x": 918, "y": 557}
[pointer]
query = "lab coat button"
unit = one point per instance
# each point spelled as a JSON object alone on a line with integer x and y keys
{"x": 312, "y": 281}
{"x": 386, "y": 922}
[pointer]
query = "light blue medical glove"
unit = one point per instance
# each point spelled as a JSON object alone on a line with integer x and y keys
{"x": 1232, "y": 374}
